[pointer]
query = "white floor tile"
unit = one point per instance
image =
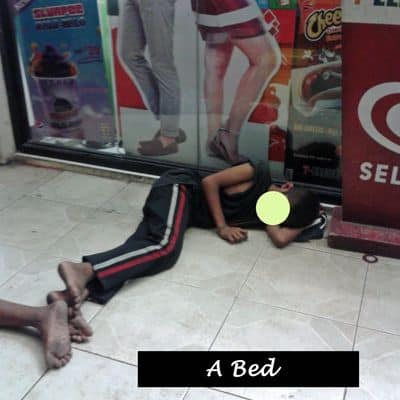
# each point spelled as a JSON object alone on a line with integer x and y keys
{"x": 13, "y": 259}
{"x": 208, "y": 242}
{"x": 218, "y": 273}
{"x": 130, "y": 200}
{"x": 8, "y": 197}
{"x": 23, "y": 179}
{"x": 152, "y": 314}
{"x": 99, "y": 232}
{"x": 21, "y": 363}
{"x": 389, "y": 261}
{"x": 308, "y": 281}
{"x": 379, "y": 366}
{"x": 322, "y": 246}
{"x": 253, "y": 326}
{"x": 381, "y": 303}
{"x": 289, "y": 393}
{"x": 79, "y": 189}
{"x": 35, "y": 224}
{"x": 89, "y": 377}
{"x": 206, "y": 394}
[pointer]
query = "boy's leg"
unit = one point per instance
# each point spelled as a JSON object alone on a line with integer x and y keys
{"x": 52, "y": 323}
{"x": 158, "y": 20}
{"x": 131, "y": 48}
{"x": 154, "y": 247}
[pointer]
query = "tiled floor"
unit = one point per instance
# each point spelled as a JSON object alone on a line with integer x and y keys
{"x": 217, "y": 297}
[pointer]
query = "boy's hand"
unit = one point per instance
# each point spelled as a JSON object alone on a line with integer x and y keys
{"x": 232, "y": 234}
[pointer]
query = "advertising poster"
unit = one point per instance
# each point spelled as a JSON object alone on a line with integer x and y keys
{"x": 245, "y": 56}
{"x": 212, "y": 75}
{"x": 154, "y": 49}
{"x": 314, "y": 139}
{"x": 61, "y": 54}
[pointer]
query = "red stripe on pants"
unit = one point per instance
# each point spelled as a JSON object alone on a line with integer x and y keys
{"x": 158, "y": 253}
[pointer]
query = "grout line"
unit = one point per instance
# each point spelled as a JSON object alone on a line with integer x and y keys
{"x": 89, "y": 209}
{"x": 238, "y": 396}
{"x": 248, "y": 275}
{"x": 223, "y": 323}
{"x": 46, "y": 250}
{"x": 19, "y": 196}
{"x": 20, "y": 269}
{"x": 46, "y": 181}
{"x": 59, "y": 201}
{"x": 355, "y": 256}
{"x": 34, "y": 385}
{"x": 98, "y": 208}
{"x": 379, "y": 331}
{"x": 258, "y": 258}
{"x": 358, "y": 320}
{"x": 100, "y": 311}
{"x": 34, "y": 188}
{"x": 40, "y": 254}
{"x": 360, "y": 309}
{"x": 298, "y": 312}
{"x": 97, "y": 313}
{"x": 105, "y": 357}
{"x": 185, "y": 394}
{"x": 235, "y": 298}
{"x": 233, "y": 395}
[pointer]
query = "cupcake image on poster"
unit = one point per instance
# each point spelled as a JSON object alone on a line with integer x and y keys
{"x": 56, "y": 80}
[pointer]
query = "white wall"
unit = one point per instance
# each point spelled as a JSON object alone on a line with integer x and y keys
{"x": 7, "y": 145}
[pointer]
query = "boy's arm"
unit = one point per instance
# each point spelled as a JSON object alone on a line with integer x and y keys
{"x": 211, "y": 186}
{"x": 281, "y": 236}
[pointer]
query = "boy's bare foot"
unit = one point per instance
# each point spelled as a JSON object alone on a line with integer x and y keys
{"x": 79, "y": 329}
{"x": 64, "y": 295}
{"x": 54, "y": 331}
{"x": 75, "y": 276}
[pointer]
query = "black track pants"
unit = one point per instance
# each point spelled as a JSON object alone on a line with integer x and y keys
{"x": 154, "y": 247}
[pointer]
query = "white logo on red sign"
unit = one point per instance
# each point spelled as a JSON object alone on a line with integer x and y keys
{"x": 367, "y": 108}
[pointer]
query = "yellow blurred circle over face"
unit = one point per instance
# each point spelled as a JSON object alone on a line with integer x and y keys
{"x": 273, "y": 208}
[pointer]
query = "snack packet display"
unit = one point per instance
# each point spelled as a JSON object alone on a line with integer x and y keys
{"x": 313, "y": 153}
{"x": 272, "y": 110}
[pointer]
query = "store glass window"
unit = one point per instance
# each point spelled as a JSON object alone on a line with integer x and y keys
{"x": 200, "y": 83}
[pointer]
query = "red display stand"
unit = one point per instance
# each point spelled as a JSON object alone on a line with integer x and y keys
{"x": 369, "y": 220}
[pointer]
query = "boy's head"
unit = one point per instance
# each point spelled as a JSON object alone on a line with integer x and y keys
{"x": 304, "y": 205}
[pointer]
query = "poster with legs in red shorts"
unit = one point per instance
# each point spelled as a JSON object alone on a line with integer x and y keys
{"x": 246, "y": 51}
{"x": 217, "y": 81}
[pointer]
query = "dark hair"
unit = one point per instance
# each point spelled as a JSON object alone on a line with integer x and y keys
{"x": 304, "y": 208}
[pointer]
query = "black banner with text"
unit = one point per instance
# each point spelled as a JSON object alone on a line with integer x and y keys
{"x": 248, "y": 369}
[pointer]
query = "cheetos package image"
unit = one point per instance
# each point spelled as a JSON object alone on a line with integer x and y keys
{"x": 314, "y": 145}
